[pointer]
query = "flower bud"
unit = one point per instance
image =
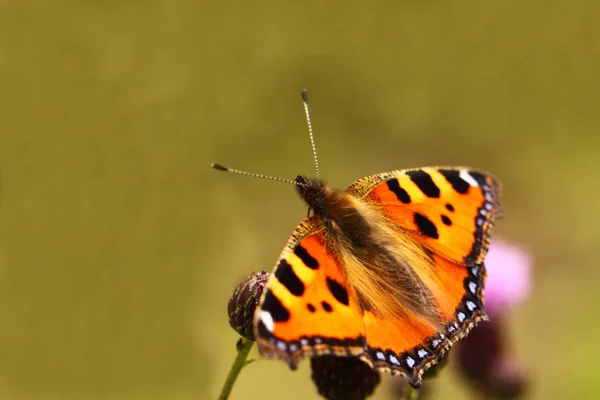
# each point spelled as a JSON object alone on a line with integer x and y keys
{"x": 343, "y": 378}
{"x": 244, "y": 301}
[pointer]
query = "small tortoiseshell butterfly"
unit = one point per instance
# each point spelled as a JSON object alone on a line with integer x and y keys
{"x": 389, "y": 270}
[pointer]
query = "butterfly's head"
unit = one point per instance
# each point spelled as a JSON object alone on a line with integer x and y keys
{"x": 313, "y": 192}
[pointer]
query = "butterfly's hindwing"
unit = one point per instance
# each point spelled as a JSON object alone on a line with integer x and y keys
{"x": 410, "y": 346}
{"x": 307, "y": 308}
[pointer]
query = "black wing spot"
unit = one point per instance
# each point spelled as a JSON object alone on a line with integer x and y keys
{"x": 286, "y": 275}
{"x": 274, "y": 306}
{"x": 454, "y": 179}
{"x": 338, "y": 291}
{"x": 400, "y": 193}
{"x": 263, "y": 331}
{"x": 423, "y": 180}
{"x": 426, "y": 227}
{"x": 479, "y": 177}
{"x": 311, "y": 308}
{"x": 449, "y": 207}
{"x": 306, "y": 258}
{"x": 446, "y": 220}
{"x": 326, "y": 306}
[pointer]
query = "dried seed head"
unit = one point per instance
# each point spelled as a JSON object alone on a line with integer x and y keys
{"x": 244, "y": 301}
{"x": 344, "y": 378}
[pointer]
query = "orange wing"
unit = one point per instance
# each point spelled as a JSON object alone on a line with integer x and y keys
{"x": 409, "y": 346}
{"x": 307, "y": 308}
{"x": 451, "y": 210}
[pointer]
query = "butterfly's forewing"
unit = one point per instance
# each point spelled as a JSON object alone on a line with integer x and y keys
{"x": 308, "y": 308}
{"x": 451, "y": 210}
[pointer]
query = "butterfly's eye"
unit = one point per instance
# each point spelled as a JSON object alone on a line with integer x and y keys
{"x": 300, "y": 180}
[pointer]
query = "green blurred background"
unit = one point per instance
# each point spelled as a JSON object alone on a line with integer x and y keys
{"x": 120, "y": 246}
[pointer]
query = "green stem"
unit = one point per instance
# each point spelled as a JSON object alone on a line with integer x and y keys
{"x": 243, "y": 348}
{"x": 409, "y": 392}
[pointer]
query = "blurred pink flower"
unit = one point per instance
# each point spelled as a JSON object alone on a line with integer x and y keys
{"x": 485, "y": 358}
{"x": 509, "y": 276}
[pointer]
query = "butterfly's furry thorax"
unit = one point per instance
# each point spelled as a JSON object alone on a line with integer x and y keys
{"x": 337, "y": 209}
{"x": 374, "y": 258}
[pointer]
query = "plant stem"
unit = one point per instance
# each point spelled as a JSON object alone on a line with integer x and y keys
{"x": 243, "y": 348}
{"x": 410, "y": 393}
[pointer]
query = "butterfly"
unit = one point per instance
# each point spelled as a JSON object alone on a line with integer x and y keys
{"x": 390, "y": 270}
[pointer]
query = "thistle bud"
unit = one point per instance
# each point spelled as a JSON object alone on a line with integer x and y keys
{"x": 343, "y": 378}
{"x": 244, "y": 301}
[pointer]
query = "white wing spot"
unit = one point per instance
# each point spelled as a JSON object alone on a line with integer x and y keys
{"x": 410, "y": 362}
{"x": 293, "y": 347}
{"x": 472, "y": 287}
{"x": 435, "y": 343}
{"x": 380, "y": 355}
{"x": 318, "y": 340}
{"x": 394, "y": 360}
{"x": 475, "y": 270}
{"x": 304, "y": 342}
{"x": 267, "y": 319}
{"x": 489, "y": 206}
{"x": 464, "y": 174}
{"x": 483, "y": 212}
{"x": 471, "y": 306}
{"x": 461, "y": 316}
{"x": 281, "y": 346}
{"x": 422, "y": 353}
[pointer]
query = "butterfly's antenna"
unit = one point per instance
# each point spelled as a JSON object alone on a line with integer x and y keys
{"x": 310, "y": 132}
{"x": 222, "y": 168}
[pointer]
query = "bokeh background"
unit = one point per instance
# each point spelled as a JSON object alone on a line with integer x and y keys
{"x": 120, "y": 246}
